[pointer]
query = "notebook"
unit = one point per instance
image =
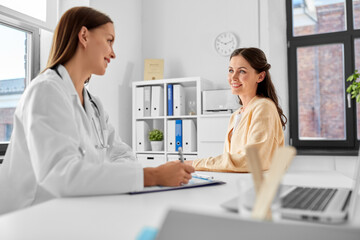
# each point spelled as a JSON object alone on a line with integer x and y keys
{"x": 328, "y": 205}
{"x": 195, "y": 181}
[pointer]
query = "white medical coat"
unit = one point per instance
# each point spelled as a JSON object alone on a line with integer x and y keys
{"x": 44, "y": 158}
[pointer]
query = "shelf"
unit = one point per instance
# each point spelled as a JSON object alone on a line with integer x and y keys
{"x": 163, "y": 152}
{"x": 192, "y": 87}
{"x": 150, "y": 152}
{"x": 185, "y": 153}
{"x": 169, "y": 117}
{"x": 215, "y": 115}
{"x": 188, "y": 81}
{"x": 182, "y": 117}
{"x": 149, "y": 118}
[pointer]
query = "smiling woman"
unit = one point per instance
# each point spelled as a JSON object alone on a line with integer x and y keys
{"x": 260, "y": 120}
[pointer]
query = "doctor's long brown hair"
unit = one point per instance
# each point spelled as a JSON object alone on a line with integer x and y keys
{"x": 257, "y": 59}
{"x": 65, "y": 40}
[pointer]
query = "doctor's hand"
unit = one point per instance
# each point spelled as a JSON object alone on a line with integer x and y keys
{"x": 189, "y": 162}
{"x": 173, "y": 173}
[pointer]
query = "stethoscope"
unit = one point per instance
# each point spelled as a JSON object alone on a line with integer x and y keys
{"x": 102, "y": 140}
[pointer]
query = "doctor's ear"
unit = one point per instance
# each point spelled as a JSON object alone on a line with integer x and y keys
{"x": 83, "y": 36}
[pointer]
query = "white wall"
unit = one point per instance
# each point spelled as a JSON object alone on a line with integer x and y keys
{"x": 114, "y": 88}
{"x": 45, "y": 46}
{"x": 272, "y": 33}
{"x": 183, "y": 33}
{"x": 64, "y": 5}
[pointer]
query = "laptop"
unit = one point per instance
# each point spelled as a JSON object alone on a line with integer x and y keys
{"x": 327, "y": 205}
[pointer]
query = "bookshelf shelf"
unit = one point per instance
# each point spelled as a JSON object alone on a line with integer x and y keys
{"x": 192, "y": 88}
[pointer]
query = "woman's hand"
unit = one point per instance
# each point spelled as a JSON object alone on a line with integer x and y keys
{"x": 173, "y": 173}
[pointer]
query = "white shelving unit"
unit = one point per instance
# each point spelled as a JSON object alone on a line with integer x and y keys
{"x": 193, "y": 86}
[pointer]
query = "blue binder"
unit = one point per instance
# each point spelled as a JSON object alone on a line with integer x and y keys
{"x": 178, "y": 134}
{"x": 170, "y": 99}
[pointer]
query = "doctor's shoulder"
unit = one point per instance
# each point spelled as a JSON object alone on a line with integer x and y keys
{"x": 45, "y": 86}
{"x": 48, "y": 75}
{"x": 49, "y": 78}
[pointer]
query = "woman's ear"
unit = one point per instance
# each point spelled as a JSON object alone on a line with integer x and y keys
{"x": 83, "y": 36}
{"x": 261, "y": 77}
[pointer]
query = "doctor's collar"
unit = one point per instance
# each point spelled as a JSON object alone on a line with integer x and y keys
{"x": 55, "y": 68}
{"x": 87, "y": 81}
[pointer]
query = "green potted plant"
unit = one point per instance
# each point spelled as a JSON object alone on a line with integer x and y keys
{"x": 156, "y": 138}
{"x": 354, "y": 88}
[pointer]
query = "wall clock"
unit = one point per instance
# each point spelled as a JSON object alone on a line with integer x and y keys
{"x": 226, "y": 43}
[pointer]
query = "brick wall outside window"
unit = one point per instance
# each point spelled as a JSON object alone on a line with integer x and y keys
{"x": 321, "y": 89}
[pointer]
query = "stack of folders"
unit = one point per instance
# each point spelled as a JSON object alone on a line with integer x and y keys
{"x": 149, "y": 101}
{"x": 181, "y": 133}
{"x": 175, "y": 100}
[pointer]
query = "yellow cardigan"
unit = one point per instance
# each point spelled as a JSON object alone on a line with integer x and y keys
{"x": 259, "y": 126}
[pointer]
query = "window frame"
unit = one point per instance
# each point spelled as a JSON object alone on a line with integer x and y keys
{"x": 350, "y": 145}
{"x": 51, "y": 16}
{"x": 34, "y": 53}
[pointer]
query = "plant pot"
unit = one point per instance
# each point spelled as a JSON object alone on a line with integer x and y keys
{"x": 157, "y": 145}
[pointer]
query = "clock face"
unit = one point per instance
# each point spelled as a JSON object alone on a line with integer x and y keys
{"x": 226, "y": 43}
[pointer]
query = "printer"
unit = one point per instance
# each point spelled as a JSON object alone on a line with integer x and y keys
{"x": 219, "y": 102}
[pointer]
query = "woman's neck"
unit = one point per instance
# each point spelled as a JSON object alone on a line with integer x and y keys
{"x": 245, "y": 100}
{"x": 78, "y": 76}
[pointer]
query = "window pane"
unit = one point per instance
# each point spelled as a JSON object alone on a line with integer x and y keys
{"x": 33, "y": 8}
{"x": 357, "y": 66}
{"x": 321, "y": 92}
{"x": 13, "y": 75}
{"x": 356, "y": 13}
{"x": 318, "y": 16}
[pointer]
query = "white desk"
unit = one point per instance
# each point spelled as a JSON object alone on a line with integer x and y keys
{"x": 123, "y": 216}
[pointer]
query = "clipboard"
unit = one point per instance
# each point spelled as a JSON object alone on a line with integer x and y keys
{"x": 195, "y": 181}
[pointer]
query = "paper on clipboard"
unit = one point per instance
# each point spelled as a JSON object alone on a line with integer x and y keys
{"x": 196, "y": 181}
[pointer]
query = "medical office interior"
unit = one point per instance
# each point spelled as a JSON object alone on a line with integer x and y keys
{"x": 323, "y": 126}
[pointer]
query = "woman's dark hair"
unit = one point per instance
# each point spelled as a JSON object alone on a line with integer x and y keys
{"x": 257, "y": 59}
{"x": 65, "y": 40}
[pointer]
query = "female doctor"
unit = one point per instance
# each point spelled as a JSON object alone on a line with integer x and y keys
{"x": 62, "y": 142}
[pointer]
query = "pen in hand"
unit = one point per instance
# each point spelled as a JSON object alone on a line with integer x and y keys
{"x": 181, "y": 156}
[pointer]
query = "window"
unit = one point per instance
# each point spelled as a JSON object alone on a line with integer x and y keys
{"x": 318, "y": 16}
{"x": 356, "y": 7}
{"x": 39, "y": 13}
{"x": 357, "y": 66}
{"x": 19, "y": 60}
{"x": 33, "y": 8}
{"x": 323, "y": 50}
